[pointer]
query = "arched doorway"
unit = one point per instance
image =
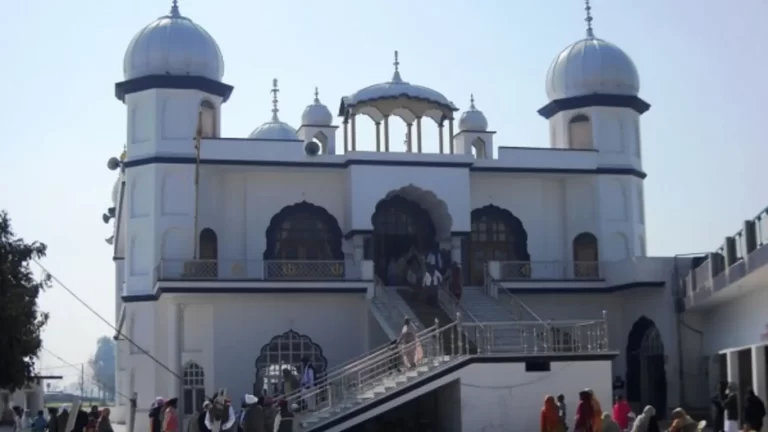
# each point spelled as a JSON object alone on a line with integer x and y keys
{"x": 497, "y": 235}
{"x": 286, "y": 351}
{"x": 646, "y": 373}
{"x": 402, "y": 231}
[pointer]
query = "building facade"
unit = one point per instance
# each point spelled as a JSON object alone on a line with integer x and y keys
{"x": 235, "y": 257}
{"x": 724, "y": 322}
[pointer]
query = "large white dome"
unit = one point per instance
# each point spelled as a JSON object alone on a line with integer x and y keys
{"x": 591, "y": 66}
{"x": 173, "y": 45}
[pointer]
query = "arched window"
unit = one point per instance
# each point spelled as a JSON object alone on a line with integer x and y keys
{"x": 194, "y": 388}
{"x": 286, "y": 351}
{"x": 580, "y": 132}
{"x": 304, "y": 242}
{"x": 208, "y": 119}
{"x": 585, "y": 256}
{"x": 497, "y": 235}
{"x": 209, "y": 245}
{"x": 304, "y": 232}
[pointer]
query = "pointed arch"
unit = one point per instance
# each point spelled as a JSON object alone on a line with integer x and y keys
{"x": 497, "y": 235}
{"x": 286, "y": 351}
{"x": 322, "y": 139}
{"x": 478, "y": 145}
{"x": 580, "y": 132}
{"x": 646, "y": 371}
{"x": 585, "y": 256}
{"x": 400, "y": 225}
{"x": 303, "y": 231}
{"x": 194, "y": 387}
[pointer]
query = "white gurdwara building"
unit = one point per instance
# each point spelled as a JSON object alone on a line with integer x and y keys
{"x": 239, "y": 260}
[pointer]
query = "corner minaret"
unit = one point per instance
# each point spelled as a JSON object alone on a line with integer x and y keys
{"x": 474, "y": 136}
{"x": 594, "y": 105}
{"x": 172, "y": 69}
{"x": 316, "y": 125}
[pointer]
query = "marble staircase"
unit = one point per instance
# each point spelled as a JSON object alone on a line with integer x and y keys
{"x": 374, "y": 377}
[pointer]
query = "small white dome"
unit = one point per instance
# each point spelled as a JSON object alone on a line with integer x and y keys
{"x": 591, "y": 66}
{"x": 274, "y": 130}
{"x": 173, "y": 45}
{"x": 316, "y": 114}
{"x": 473, "y": 119}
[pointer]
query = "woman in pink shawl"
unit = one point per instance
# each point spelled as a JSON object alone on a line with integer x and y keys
{"x": 411, "y": 348}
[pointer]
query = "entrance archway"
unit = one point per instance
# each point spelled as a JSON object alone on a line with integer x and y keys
{"x": 403, "y": 231}
{"x": 286, "y": 351}
{"x": 646, "y": 372}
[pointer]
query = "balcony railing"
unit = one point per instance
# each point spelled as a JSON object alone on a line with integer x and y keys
{"x": 293, "y": 270}
{"x": 742, "y": 252}
{"x": 548, "y": 270}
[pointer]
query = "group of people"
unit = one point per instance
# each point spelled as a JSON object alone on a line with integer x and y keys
{"x": 725, "y": 410}
{"x": 163, "y": 415}
{"x": 425, "y": 275}
{"x": 591, "y": 418}
{"x": 17, "y": 419}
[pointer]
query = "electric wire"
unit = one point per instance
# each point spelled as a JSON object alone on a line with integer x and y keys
{"x": 64, "y": 366}
{"x": 518, "y": 385}
{"x": 106, "y": 321}
{"x": 78, "y": 368}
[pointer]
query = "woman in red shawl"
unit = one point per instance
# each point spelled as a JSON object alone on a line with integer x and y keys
{"x": 585, "y": 415}
{"x": 550, "y": 416}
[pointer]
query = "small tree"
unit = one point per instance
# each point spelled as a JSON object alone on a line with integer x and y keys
{"x": 21, "y": 320}
{"x": 102, "y": 366}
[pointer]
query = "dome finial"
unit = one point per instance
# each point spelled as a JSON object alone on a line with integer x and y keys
{"x": 274, "y": 92}
{"x": 317, "y": 96}
{"x": 588, "y": 19}
{"x": 175, "y": 9}
{"x": 472, "y": 102}
{"x": 396, "y": 77}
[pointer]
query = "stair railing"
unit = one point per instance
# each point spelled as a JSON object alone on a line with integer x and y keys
{"x": 537, "y": 337}
{"x": 374, "y": 375}
{"x": 494, "y": 285}
{"x": 395, "y": 314}
{"x": 352, "y": 364}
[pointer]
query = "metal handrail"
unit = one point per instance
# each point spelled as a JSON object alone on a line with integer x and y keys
{"x": 355, "y": 363}
{"x": 457, "y": 303}
{"x": 368, "y": 376}
{"x": 490, "y": 279}
{"x": 373, "y": 378}
{"x": 379, "y": 287}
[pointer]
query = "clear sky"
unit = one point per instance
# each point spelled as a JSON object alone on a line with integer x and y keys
{"x": 702, "y": 67}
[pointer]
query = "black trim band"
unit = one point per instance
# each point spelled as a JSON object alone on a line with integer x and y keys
{"x": 603, "y": 100}
{"x": 203, "y": 84}
{"x": 137, "y": 298}
{"x": 182, "y": 160}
